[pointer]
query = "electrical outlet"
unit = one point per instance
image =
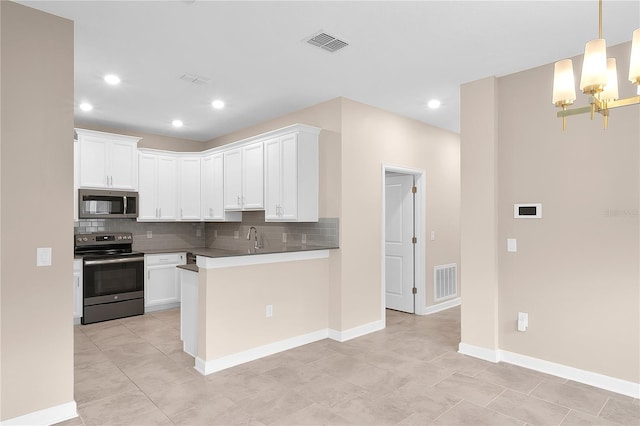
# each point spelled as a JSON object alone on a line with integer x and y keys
{"x": 215, "y": 233}
{"x": 236, "y": 235}
{"x": 284, "y": 237}
{"x": 149, "y": 234}
{"x": 269, "y": 311}
{"x": 433, "y": 235}
{"x": 523, "y": 321}
{"x": 304, "y": 238}
{"x": 198, "y": 232}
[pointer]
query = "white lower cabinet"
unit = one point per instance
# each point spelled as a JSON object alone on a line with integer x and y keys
{"x": 77, "y": 290}
{"x": 162, "y": 280}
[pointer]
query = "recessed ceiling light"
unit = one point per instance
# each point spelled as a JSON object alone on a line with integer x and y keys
{"x": 112, "y": 79}
{"x": 177, "y": 123}
{"x": 217, "y": 104}
{"x": 434, "y": 104}
{"x": 86, "y": 106}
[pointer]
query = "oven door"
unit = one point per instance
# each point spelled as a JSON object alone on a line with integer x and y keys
{"x": 113, "y": 279}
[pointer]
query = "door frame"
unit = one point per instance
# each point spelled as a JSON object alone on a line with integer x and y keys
{"x": 420, "y": 232}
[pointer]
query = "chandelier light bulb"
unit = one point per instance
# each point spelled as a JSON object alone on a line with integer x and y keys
{"x": 564, "y": 86}
{"x": 594, "y": 67}
{"x": 610, "y": 92}
{"x": 634, "y": 67}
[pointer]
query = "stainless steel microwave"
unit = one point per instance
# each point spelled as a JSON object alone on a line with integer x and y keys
{"x": 106, "y": 204}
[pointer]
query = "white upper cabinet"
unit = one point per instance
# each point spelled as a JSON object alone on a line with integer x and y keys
{"x": 158, "y": 187}
{"x": 107, "y": 160}
{"x": 212, "y": 184}
{"x": 189, "y": 189}
{"x": 244, "y": 178}
{"x": 291, "y": 178}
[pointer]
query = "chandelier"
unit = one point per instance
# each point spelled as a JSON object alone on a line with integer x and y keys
{"x": 599, "y": 79}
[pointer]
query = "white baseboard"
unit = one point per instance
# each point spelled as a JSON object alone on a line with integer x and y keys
{"x": 208, "y": 367}
{"x": 428, "y": 310}
{"x": 166, "y": 306}
{"x": 211, "y": 366}
{"x": 598, "y": 380}
{"x": 352, "y": 333}
{"x": 479, "y": 352}
{"x": 48, "y": 416}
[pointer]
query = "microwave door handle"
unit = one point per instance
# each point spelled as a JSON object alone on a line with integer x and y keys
{"x": 124, "y": 211}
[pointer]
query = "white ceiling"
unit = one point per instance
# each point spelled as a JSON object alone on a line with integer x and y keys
{"x": 401, "y": 54}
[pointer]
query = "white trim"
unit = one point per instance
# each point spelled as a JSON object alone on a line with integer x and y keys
{"x": 420, "y": 231}
{"x": 479, "y": 352}
{"x": 452, "y": 303}
{"x": 259, "y": 259}
{"x": 161, "y": 307}
{"x": 228, "y": 361}
{"x": 591, "y": 378}
{"x": 598, "y": 380}
{"x": 48, "y": 416}
{"x": 352, "y": 333}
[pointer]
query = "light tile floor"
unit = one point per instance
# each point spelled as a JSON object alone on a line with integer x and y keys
{"x": 133, "y": 372}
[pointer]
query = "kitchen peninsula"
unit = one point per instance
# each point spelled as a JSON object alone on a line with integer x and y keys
{"x": 242, "y": 305}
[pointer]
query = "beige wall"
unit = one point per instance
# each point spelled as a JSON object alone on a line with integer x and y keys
{"x": 479, "y": 222}
{"x": 576, "y": 272}
{"x": 236, "y": 299}
{"x": 355, "y": 141}
{"x": 36, "y": 172}
{"x": 150, "y": 140}
{"x": 372, "y": 137}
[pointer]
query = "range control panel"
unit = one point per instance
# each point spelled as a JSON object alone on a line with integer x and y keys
{"x": 98, "y": 239}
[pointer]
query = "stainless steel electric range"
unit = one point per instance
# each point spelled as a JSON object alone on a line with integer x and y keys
{"x": 113, "y": 276}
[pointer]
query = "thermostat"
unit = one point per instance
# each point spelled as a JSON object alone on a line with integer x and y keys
{"x": 527, "y": 211}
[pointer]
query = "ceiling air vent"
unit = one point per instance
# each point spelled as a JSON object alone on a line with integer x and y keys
{"x": 327, "y": 42}
{"x": 195, "y": 79}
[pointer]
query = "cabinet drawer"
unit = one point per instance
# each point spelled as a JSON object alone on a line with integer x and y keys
{"x": 166, "y": 259}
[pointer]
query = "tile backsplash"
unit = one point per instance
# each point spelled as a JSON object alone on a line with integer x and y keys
{"x": 270, "y": 234}
{"x": 171, "y": 235}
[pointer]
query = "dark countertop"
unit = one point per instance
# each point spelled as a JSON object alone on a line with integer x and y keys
{"x": 216, "y": 252}
{"x": 189, "y": 267}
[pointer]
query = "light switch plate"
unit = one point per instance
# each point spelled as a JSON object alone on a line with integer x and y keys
{"x": 43, "y": 256}
{"x": 512, "y": 245}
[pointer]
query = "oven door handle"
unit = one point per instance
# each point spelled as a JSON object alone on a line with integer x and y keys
{"x": 111, "y": 261}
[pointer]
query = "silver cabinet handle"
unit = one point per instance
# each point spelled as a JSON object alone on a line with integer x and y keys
{"x": 238, "y": 200}
{"x": 210, "y": 211}
{"x": 181, "y": 213}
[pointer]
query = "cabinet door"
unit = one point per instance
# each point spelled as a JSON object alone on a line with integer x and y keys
{"x": 207, "y": 197}
{"x": 189, "y": 190}
{"x": 123, "y": 170}
{"x": 161, "y": 285}
{"x": 289, "y": 177}
{"x": 233, "y": 179}
{"x": 217, "y": 204}
{"x": 272, "y": 184}
{"x": 147, "y": 192}
{"x": 167, "y": 187}
{"x": 93, "y": 162}
{"x": 253, "y": 177}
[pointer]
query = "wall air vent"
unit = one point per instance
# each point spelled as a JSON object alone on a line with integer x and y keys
{"x": 327, "y": 42}
{"x": 195, "y": 79}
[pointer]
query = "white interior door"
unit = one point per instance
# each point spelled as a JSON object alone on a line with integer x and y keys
{"x": 399, "y": 277}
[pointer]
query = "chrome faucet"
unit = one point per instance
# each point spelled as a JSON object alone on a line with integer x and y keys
{"x": 255, "y": 245}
